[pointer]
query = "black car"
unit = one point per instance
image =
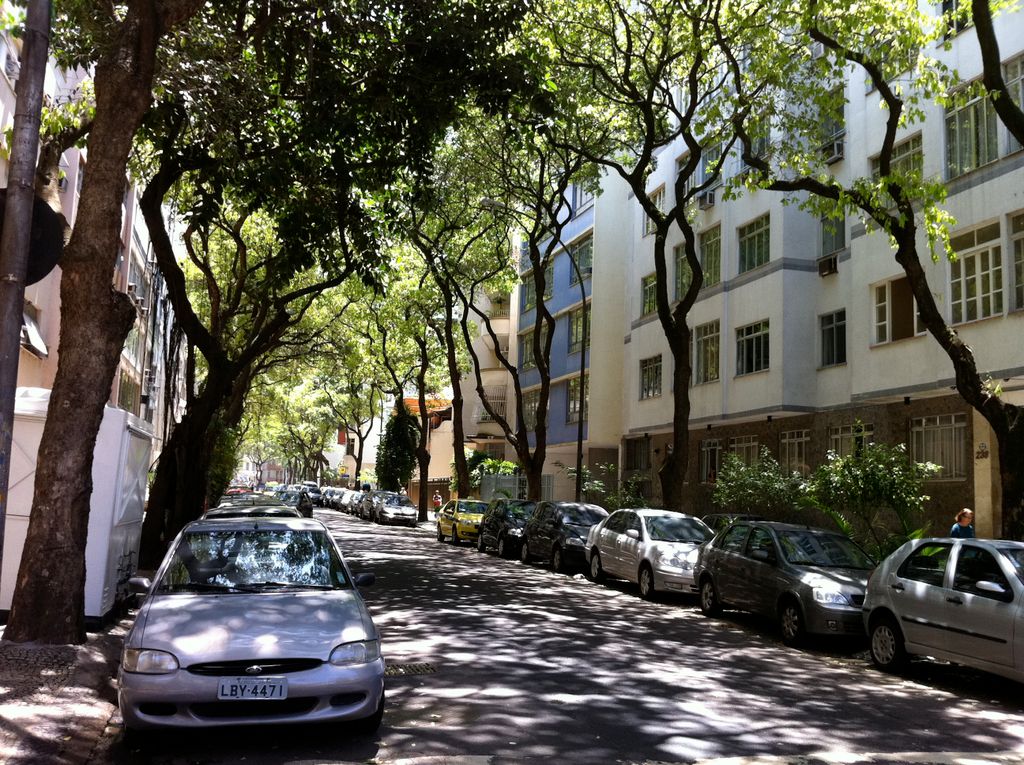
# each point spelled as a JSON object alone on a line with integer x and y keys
{"x": 557, "y": 532}
{"x": 299, "y": 500}
{"x": 502, "y": 525}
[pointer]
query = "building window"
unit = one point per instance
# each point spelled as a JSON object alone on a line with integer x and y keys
{"x": 833, "y": 236}
{"x": 744, "y": 447}
{"x": 956, "y": 18}
{"x": 531, "y": 405}
{"x": 1017, "y": 243}
{"x": 754, "y": 242}
{"x": 941, "y": 439}
{"x": 833, "y": 338}
{"x": 844, "y": 440}
{"x": 128, "y": 393}
{"x": 706, "y": 347}
{"x": 649, "y": 294}
{"x": 711, "y": 255}
{"x": 581, "y": 199}
{"x": 710, "y": 459}
{"x": 752, "y": 348}
{"x": 658, "y": 198}
{"x": 582, "y": 252}
{"x": 833, "y": 124}
{"x": 907, "y": 159}
{"x": 793, "y": 445}
{"x": 572, "y": 404}
{"x": 638, "y": 454}
{"x": 527, "y": 360}
{"x": 976, "y": 276}
{"x": 496, "y": 451}
{"x": 710, "y": 165}
{"x": 690, "y": 181}
{"x": 650, "y": 377}
{"x": 576, "y": 330}
{"x": 1013, "y": 76}
{"x": 529, "y": 286}
{"x": 895, "y": 311}
{"x": 971, "y": 136}
{"x": 683, "y": 274}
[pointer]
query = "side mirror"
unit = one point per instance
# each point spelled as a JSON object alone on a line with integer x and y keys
{"x": 994, "y": 588}
{"x": 139, "y": 585}
{"x": 365, "y": 579}
{"x": 632, "y": 533}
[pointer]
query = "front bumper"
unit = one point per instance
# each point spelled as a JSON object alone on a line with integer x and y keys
{"x": 184, "y": 700}
{"x": 839, "y": 620}
{"x": 468, "y": 530}
{"x": 395, "y": 518}
{"x": 674, "y": 580}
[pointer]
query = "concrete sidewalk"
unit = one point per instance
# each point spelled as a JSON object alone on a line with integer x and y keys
{"x": 56, "y": 702}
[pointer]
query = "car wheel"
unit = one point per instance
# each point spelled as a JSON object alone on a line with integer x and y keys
{"x": 524, "y": 552}
{"x": 503, "y": 549}
{"x": 596, "y": 572}
{"x": 369, "y": 725}
{"x": 709, "y": 602}
{"x": 440, "y": 534}
{"x": 480, "y": 546}
{"x": 791, "y": 623}
{"x": 888, "y": 651}
{"x": 645, "y": 581}
{"x": 455, "y": 536}
{"x": 557, "y": 560}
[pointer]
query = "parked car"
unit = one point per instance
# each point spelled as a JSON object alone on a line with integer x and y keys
{"x": 718, "y": 521}
{"x": 502, "y": 526}
{"x": 390, "y": 507}
{"x": 299, "y": 500}
{"x": 961, "y": 600}
{"x": 810, "y": 580}
{"x": 656, "y": 549}
{"x": 315, "y": 496}
{"x": 292, "y": 639}
{"x": 253, "y": 511}
{"x": 460, "y": 519}
{"x": 350, "y": 501}
{"x": 557, "y": 532}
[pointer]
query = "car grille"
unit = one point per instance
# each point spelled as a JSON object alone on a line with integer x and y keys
{"x": 253, "y": 708}
{"x": 241, "y": 668}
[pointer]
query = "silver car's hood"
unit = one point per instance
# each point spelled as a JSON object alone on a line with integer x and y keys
{"x": 204, "y": 627}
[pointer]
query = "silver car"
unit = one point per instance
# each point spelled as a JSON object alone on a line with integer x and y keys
{"x": 961, "y": 600}
{"x": 810, "y": 580}
{"x": 657, "y": 549}
{"x": 249, "y": 622}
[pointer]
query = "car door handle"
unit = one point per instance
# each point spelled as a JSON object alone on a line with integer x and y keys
{"x": 955, "y": 599}
{"x": 898, "y": 586}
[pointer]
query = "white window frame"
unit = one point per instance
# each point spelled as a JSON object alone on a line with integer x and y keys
{"x": 572, "y": 399}
{"x": 658, "y": 197}
{"x": 844, "y": 439}
{"x": 710, "y": 459}
{"x": 942, "y": 440}
{"x": 793, "y": 448}
{"x": 707, "y": 352}
{"x": 650, "y": 377}
{"x": 649, "y": 294}
{"x": 709, "y": 247}
{"x": 754, "y": 244}
{"x": 976, "y": 276}
{"x": 833, "y": 324}
{"x": 757, "y": 335}
{"x": 963, "y": 125}
{"x": 1017, "y": 253}
{"x": 746, "y": 448}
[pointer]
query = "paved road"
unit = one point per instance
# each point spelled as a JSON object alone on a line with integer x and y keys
{"x": 524, "y": 664}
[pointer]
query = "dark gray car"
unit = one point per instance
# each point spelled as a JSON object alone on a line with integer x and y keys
{"x": 810, "y": 580}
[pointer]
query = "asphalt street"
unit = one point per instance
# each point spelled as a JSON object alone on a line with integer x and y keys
{"x": 494, "y": 661}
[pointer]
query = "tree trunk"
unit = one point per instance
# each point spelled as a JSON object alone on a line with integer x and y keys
{"x": 422, "y": 450}
{"x": 458, "y": 402}
{"x": 49, "y": 597}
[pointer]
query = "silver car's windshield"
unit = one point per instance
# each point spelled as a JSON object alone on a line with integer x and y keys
{"x": 250, "y": 559}
{"x": 807, "y": 548}
{"x": 667, "y": 528}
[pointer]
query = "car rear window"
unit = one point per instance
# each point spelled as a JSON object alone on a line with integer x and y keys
{"x": 254, "y": 558}
{"x": 927, "y": 564}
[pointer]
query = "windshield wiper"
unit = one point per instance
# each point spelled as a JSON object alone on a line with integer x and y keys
{"x": 197, "y": 587}
{"x": 257, "y": 586}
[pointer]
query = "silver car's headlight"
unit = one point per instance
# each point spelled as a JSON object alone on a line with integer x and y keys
{"x": 830, "y": 597}
{"x": 145, "y": 661}
{"x": 515, "y": 532}
{"x": 360, "y": 652}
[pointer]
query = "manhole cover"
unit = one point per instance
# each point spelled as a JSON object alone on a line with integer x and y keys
{"x": 404, "y": 670}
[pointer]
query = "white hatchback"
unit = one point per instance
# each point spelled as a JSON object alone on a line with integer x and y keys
{"x": 960, "y": 600}
{"x": 657, "y": 549}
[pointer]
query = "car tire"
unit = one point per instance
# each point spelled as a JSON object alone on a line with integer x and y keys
{"x": 480, "y": 546}
{"x": 710, "y": 605}
{"x": 791, "y": 623}
{"x": 596, "y": 572}
{"x": 455, "y": 536}
{"x": 368, "y": 725}
{"x": 888, "y": 650}
{"x": 504, "y": 551}
{"x": 524, "y": 552}
{"x": 440, "y": 534}
{"x": 645, "y": 582}
{"x": 557, "y": 560}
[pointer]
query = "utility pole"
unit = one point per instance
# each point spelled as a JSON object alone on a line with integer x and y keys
{"x": 17, "y": 230}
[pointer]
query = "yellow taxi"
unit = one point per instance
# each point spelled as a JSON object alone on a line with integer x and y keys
{"x": 460, "y": 519}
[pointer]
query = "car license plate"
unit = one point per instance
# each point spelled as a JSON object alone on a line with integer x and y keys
{"x": 257, "y": 688}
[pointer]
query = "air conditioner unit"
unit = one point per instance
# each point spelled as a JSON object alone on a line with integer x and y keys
{"x": 140, "y": 303}
{"x": 130, "y": 289}
{"x": 147, "y": 379}
{"x": 706, "y": 199}
{"x": 828, "y": 265}
{"x": 586, "y": 271}
{"x": 143, "y": 312}
{"x": 817, "y": 49}
{"x": 832, "y": 151}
